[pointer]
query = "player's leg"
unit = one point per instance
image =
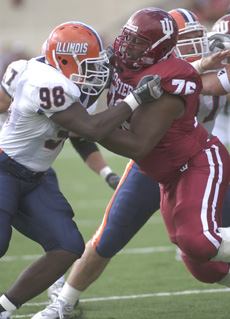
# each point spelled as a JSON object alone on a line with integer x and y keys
{"x": 193, "y": 214}
{"x": 225, "y": 220}
{"x": 222, "y": 130}
{"x": 226, "y": 210}
{"x": 9, "y": 198}
{"x": 46, "y": 219}
{"x": 57, "y": 286}
{"x": 133, "y": 203}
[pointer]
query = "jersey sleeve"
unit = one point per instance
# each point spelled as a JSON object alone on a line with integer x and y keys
{"x": 181, "y": 79}
{"x": 12, "y": 75}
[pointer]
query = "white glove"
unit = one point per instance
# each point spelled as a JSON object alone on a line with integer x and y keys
{"x": 220, "y": 41}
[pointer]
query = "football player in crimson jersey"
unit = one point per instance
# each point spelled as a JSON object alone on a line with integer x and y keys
{"x": 166, "y": 142}
{"x": 193, "y": 46}
{"x": 51, "y": 98}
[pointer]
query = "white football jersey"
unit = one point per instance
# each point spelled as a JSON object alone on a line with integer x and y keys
{"x": 208, "y": 108}
{"x": 29, "y": 136}
{"x": 10, "y": 80}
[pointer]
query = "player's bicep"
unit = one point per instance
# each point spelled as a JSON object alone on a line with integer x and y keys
{"x": 5, "y": 101}
{"x": 151, "y": 121}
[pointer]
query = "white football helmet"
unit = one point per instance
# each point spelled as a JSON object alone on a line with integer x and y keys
{"x": 187, "y": 22}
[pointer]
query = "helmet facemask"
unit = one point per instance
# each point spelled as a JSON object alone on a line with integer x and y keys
{"x": 199, "y": 43}
{"x": 125, "y": 47}
{"x": 93, "y": 73}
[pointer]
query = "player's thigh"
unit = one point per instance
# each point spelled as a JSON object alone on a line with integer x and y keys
{"x": 46, "y": 217}
{"x": 9, "y": 199}
{"x": 133, "y": 203}
{"x": 198, "y": 203}
{"x": 10, "y": 193}
{"x": 51, "y": 176}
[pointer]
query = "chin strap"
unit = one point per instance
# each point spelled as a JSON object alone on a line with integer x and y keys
{"x": 77, "y": 61}
{"x": 56, "y": 62}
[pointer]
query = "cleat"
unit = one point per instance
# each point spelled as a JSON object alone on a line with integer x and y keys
{"x": 5, "y": 315}
{"x": 58, "y": 309}
{"x": 54, "y": 290}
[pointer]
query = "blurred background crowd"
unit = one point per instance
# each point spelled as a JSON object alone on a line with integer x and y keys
{"x": 25, "y": 24}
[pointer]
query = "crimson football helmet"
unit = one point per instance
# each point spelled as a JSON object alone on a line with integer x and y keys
{"x": 76, "y": 50}
{"x": 190, "y": 49}
{"x": 222, "y": 25}
{"x": 150, "y": 32}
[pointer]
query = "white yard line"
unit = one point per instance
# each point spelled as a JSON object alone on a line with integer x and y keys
{"x": 161, "y": 294}
{"x": 146, "y": 250}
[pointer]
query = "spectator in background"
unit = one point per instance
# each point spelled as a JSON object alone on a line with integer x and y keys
{"x": 209, "y": 10}
{"x": 13, "y": 52}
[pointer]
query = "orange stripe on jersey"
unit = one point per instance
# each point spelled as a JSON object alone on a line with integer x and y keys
{"x": 96, "y": 237}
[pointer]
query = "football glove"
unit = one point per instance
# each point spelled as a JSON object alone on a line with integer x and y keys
{"x": 112, "y": 180}
{"x": 220, "y": 41}
{"x": 110, "y": 54}
{"x": 148, "y": 89}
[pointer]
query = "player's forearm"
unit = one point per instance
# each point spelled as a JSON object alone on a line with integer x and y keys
{"x": 216, "y": 83}
{"x": 124, "y": 144}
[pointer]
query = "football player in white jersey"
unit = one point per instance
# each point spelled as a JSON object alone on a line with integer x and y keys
{"x": 125, "y": 214}
{"x": 222, "y": 125}
{"x": 88, "y": 150}
{"x": 51, "y": 98}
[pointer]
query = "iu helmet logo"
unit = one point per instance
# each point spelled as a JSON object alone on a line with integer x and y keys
{"x": 222, "y": 27}
{"x": 167, "y": 26}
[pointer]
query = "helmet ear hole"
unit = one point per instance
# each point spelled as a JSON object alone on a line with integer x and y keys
{"x": 64, "y": 61}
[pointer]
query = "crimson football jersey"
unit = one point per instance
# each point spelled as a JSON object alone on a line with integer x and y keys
{"x": 185, "y": 137}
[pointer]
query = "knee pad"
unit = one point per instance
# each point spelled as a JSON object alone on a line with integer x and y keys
{"x": 223, "y": 253}
{"x": 225, "y": 281}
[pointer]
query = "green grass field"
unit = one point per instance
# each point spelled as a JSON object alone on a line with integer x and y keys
{"x": 144, "y": 281}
